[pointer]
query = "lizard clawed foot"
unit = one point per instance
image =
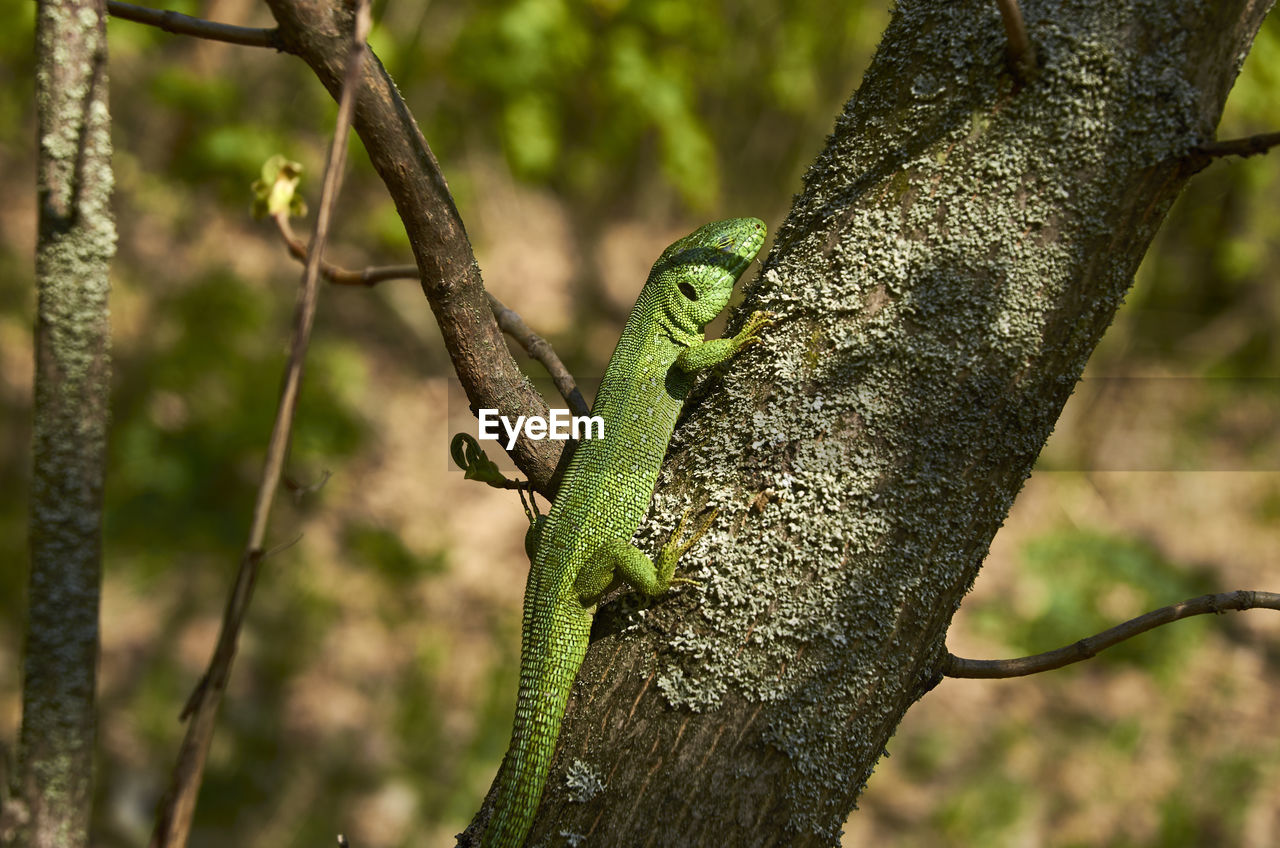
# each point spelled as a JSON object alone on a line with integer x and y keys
{"x": 674, "y": 548}
{"x": 703, "y": 527}
{"x": 748, "y": 335}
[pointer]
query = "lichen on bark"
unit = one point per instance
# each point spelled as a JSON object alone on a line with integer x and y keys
{"x": 76, "y": 242}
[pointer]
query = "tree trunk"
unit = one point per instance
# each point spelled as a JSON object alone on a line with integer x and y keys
{"x": 958, "y": 250}
{"x": 75, "y": 244}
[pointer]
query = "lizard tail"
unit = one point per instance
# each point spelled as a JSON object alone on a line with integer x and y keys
{"x": 547, "y": 673}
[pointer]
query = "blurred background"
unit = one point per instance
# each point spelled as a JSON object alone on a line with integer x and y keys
{"x": 374, "y": 687}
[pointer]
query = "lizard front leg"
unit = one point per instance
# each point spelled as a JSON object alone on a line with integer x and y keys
{"x": 709, "y": 353}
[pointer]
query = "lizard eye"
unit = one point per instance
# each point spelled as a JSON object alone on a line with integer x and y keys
{"x": 688, "y": 291}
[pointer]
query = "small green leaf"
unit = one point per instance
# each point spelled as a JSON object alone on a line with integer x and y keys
{"x": 276, "y": 190}
{"x": 471, "y": 458}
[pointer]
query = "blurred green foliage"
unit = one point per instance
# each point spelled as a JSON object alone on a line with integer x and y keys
{"x": 605, "y": 100}
{"x": 193, "y": 405}
{"x": 384, "y": 551}
{"x": 1089, "y": 741}
{"x": 620, "y": 110}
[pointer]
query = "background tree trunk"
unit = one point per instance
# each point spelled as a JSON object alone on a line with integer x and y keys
{"x": 958, "y": 250}
{"x": 75, "y": 244}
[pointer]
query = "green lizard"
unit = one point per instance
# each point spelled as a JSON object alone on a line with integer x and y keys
{"x": 583, "y": 547}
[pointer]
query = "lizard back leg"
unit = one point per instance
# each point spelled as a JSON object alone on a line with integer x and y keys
{"x": 617, "y": 560}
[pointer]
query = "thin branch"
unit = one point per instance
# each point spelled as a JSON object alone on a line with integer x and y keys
{"x": 180, "y": 24}
{"x": 451, "y": 278}
{"x": 540, "y": 349}
{"x": 173, "y": 823}
{"x": 508, "y": 320}
{"x": 1084, "y": 649}
{"x": 301, "y": 490}
{"x": 1203, "y": 155}
{"x": 1248, "y": 146}
{"x": 368, "y": 277}
{"x": 1022, "y": 53}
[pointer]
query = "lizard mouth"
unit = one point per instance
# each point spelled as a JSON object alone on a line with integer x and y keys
{"x": 745, "y": 253}
{"x": 736, "y": 251}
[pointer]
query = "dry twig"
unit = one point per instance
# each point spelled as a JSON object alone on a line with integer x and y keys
{"x": 335, "y": 274}
{"x": 173, "y": 822}
{"x": 1084, "y": 649}
{"x": 510, "y": 321}
{"x": 540, "y": 349}
{"x": 1248, "y": 146}
{"x": 1201, "y": 156}
{"x": 180, "y": 24}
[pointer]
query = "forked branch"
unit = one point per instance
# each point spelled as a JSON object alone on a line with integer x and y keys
{"x": 1086, "y": 648}
{"x": 312, "y": 29}
{"x": 450, "y": 277}
{"x": 509, "y": 320}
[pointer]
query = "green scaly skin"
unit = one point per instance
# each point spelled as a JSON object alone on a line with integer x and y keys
{"x": 584, "y": 546}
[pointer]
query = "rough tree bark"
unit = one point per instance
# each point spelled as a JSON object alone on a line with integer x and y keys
{"x": 75, "y": 244}
{"x": 957, "y": 252}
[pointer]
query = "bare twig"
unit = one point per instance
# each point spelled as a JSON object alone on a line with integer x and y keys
{"x": 180, "y": 24}
{"x": 540, "y": 349}
{"x": 1084, "y": 649}
{"x": 301, "y": 490}
{"x": 510, "y": 321}
{"x": 281, "y": 548}
{"x": 337, "y": 275}
{"x": 1247, "y": 146}
{"x": 1022, "y": 53}
{"x": 173, "y": 823}
{"x": 451, "y": 278}
{"x": 511, "y": 485}
{"x": 1202, "y": 155}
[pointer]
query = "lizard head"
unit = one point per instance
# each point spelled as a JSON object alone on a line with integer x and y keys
{"x": 698, "y": 272}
